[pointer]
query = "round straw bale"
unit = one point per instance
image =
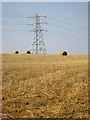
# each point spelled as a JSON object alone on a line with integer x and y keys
{"x": 64, "y": 53}
{"x": 27, "y": 52}
{"x": 16, "y": 52}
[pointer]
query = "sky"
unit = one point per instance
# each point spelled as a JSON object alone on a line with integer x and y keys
{"x": 67, "y": 26}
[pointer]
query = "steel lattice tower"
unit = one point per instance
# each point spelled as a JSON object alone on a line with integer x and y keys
{"x": 38, "y": 46}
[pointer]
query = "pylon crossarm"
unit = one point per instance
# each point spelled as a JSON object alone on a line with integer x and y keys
{"x": 37, "y": 30}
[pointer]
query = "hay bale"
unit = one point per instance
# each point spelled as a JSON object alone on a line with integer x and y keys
{"x": 27, "y": 52}
{"x": 16, "y": 52}
{"x": 64, "y": 53}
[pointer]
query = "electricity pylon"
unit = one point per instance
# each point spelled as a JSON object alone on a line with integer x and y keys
{"x": 38, "y": 46}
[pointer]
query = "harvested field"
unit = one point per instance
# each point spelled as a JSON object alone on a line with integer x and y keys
{"x": 45, "y": 86}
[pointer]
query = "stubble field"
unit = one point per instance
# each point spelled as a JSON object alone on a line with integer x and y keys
{"x": 44, "y": 86}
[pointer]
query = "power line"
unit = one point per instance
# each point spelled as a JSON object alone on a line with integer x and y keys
{"x": 12, "y": 30}
{"x": 59, "y": 27}
{"x": 57, "y": 30}
{"x": 18, "y": 17}
{"x": 14, "y": 24}
{"x": 79, "y": 27}
{"x": 53, "y": 31}
{"x": 59, "y": 21}
{"x": 63, "y": 38}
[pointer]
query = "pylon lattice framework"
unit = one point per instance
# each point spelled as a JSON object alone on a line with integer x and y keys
{"x": 38, "y": 46}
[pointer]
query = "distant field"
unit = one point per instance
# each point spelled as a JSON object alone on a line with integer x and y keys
{"x": 45, "y": 86}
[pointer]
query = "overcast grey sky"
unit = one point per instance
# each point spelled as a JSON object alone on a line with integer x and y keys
{"x": 67, "y": 27}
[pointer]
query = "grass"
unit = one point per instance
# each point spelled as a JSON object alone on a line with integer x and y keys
{"x": 45, "y": 86}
